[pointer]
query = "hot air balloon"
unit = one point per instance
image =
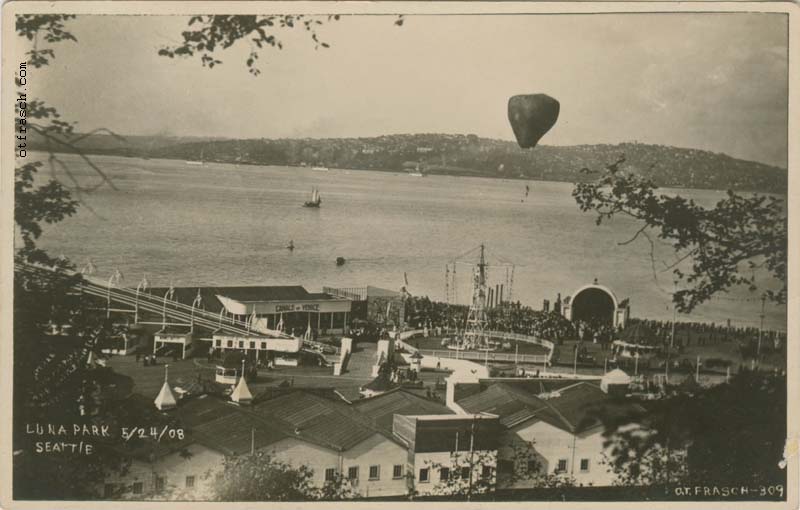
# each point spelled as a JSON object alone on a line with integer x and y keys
{"x": 531, "y": 116}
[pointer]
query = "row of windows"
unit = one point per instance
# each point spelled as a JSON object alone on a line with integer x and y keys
{"x": 446, "y": 473}
{"x": 159, "y": 482}
{"x": 374, "y": 473}
{"x": 562, "y": 466}
{"x": 229, "y": 343}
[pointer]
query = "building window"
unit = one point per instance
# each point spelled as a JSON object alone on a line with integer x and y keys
{"x": 562, "y": 466}
{"x": 159, "y": 483}
{"x": 424, "y": 475}
{"x": 230, "y": 343}
{"x": 486, "y": 472}
{"x": 374, "y": 472}
{"x": 397, "y": 471}
{"x": 533, "y": 466}
{"x": 465, "y": 472}
{"x": 241, "y": 344}
{"x": 138, "y": 487}
{"x": 330, "y": 474}
{"x": 352, "y": 473}
{"x": 444, "y": 474}
{"x": 190, "y": 482}
{"x": 263, "y": 346}
{"x": 584, "y": 465}
{"x": 252, "y": 345}
{"x": 218, "y": 342}
{"x": 108, "y": 491}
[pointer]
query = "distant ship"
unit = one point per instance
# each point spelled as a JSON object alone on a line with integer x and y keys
{"x": 315, "y": 201}
{"x": 320, "y": 168}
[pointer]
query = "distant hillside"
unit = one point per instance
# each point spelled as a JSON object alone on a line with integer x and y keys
{"x": 460, "y": 155}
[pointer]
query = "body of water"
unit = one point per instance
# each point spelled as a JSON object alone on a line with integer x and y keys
{"x": 221, "y": 224}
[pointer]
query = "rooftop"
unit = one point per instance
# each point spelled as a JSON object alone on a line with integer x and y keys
{"x": 319, "y": 420}
{"x": 306, "y": 416}
{"x": 245, "y": 294}
{"x": 382, "y": 408}
{"x": 576, "y": 407}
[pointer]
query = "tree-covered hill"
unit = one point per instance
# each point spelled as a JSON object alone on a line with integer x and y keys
{"x": 461, "y": 155}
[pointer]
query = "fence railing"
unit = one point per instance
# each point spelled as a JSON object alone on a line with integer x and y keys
{"x": 486, "y": 356}
{"x": 401, "y": 338}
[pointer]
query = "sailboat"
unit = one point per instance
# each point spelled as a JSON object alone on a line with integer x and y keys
{"x": 198, "y": 163}
{"x": 315, "y": 199}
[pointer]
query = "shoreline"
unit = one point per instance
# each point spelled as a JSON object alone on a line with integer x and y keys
{"x": 465, "y": 173}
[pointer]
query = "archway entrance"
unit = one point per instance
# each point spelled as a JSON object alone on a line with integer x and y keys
{"x": 594, "y": 305}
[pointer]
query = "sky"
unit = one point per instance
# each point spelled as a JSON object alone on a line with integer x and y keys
{"x": 716, "y": 82}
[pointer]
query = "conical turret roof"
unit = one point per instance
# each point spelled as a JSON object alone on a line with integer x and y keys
{"x": 165, "y": 399}
{"x": 241, "y": 393}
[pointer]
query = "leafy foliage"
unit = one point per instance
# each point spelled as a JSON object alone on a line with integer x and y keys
{"x": 723, "y": 243}
{"x": 218, "y": 32}
{"x": 34, "y": 205}
{"x": 50, "y": 28}
{"x": 730, "y": 434}
{"x": 259, "y": 477}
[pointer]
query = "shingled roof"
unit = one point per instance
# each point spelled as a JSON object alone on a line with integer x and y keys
{"x": 305, "y": 416}
{"x": 382, "y": 408}
{"x": 576, "y": 407}
{"x": 319, "y": 420}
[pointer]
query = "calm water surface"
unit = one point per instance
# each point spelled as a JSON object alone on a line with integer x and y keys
{"x": 221, "y": 224}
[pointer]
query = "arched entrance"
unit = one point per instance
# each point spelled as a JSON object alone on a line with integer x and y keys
{"x": 595, "y": 304}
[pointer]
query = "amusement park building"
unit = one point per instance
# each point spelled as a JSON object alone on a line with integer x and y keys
{"x": 558, "y": 417}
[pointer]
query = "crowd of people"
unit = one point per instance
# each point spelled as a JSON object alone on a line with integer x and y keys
{"x": 550, "y": 324}
{"x": 699, "y": 334}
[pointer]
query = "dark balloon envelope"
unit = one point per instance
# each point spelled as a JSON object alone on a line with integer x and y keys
{"x": 531, "y": 116}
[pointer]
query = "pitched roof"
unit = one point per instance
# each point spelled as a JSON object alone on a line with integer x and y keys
{"x": 237, "y": 431}
{"x": 575, "y": 408}
{"x": 187, "y": 295}
{"x": 382, "y": 408}
{"x": 318, "y": 419}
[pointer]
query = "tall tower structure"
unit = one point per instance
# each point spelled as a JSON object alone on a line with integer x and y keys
{"x": 475, "y": 336}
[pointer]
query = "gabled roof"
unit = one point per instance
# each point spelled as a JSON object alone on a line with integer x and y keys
{"x": 237, "y": 431}
{"x": 187, "y": 295}
{"x": 382, "y": 408}
{"x": 319, "y": 420}
{"x": 575, "y": 408}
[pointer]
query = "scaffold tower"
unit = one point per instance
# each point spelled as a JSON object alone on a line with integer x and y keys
{"x": 475, "y": 336}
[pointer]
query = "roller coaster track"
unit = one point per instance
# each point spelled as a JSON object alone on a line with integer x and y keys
{"x": 143, "y": 302}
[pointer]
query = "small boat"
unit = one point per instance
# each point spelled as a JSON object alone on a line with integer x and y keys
{"x": 315, "y": 199}
{"x": 417, "y": 172}
{"x": 320, "y": 168}
{"x": 290, "y": 246}
{"x": 198, "y": 163}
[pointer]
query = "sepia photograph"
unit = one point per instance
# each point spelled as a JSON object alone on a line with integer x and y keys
{"x": 463, "y": 254}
